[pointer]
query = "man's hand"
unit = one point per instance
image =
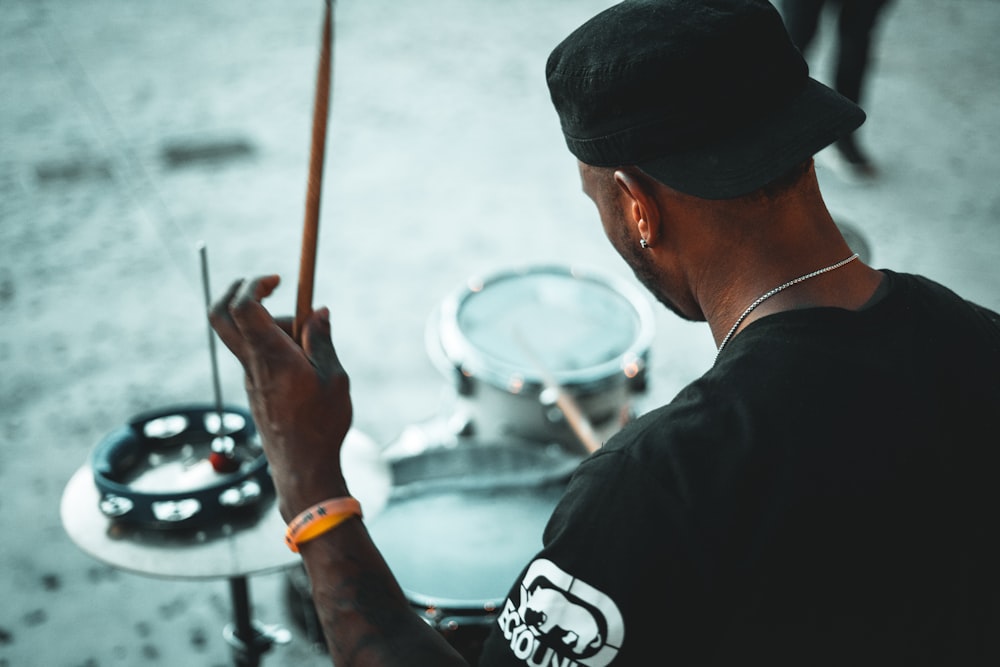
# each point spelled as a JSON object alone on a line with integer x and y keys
{"x": 299, "y": 395}
{"x": 300, "y": 400}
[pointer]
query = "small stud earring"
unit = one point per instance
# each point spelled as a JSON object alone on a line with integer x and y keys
{"x": 644, "y": 243}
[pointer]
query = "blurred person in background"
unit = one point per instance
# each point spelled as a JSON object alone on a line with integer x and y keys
{"x": 857, "y": 21}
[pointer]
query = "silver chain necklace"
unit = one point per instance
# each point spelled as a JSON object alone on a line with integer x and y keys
{"x": 764, "y": 297}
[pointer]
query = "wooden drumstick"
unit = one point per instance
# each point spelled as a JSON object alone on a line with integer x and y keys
{"x": 310, "y": 232}
{"x": 575, "y": 417}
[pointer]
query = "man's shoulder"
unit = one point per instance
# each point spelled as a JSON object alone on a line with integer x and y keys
{"x": 705, "y": 418}
{"x": 916, "y": 286}
{"x": 943, "y": 307}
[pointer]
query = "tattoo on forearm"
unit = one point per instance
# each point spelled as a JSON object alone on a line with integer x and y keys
{"x": 367, "y": 615}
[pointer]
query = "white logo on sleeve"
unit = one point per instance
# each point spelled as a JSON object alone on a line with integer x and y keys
{"x": 561, "y": 621}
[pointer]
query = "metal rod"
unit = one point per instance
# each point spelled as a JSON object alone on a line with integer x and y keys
{"x": 247, "y": 649}
{"x": 310, "y": 232}
{"x": 216, "y": 385}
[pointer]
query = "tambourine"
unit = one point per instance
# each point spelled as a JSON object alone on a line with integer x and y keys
{"x": 157, "y": 470}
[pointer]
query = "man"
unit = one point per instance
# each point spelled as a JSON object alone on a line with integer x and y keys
{"x": 824, "y": 494}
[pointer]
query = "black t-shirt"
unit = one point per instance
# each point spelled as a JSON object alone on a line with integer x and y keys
{"x": 826, "y": 494}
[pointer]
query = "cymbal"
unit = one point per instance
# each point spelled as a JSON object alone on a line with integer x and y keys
{"x": 246, "y": 545}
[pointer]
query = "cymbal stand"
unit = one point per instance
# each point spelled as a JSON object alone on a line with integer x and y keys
{"x": 249, "y": 640}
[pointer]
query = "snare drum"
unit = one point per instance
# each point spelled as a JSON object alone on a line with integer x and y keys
{"x": 499, "y": 337}
{"x": 461, "y": 524}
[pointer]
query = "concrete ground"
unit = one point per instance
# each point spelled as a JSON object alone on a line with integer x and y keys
{"x": 131, "y": 131}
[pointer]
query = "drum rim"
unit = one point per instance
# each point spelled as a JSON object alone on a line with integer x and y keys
{"x": 446, "y": 607}
{"x": 451, "y": 350}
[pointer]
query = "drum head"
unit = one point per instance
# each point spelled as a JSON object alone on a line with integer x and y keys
{"x": 463, "y": 550}
{"x": 579, "y": 326}
{"x": 462, "y": 523}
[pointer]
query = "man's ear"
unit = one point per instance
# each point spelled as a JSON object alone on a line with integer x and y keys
{"x": 644, "y": 208}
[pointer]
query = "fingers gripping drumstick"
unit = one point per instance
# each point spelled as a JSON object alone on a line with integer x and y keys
{"x": 310, "y": 232}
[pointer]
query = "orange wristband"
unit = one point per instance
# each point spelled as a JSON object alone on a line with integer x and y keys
{"x": 320, "y": 518}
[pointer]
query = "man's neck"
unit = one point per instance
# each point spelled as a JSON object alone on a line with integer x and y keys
{"x": 831, "y": 283}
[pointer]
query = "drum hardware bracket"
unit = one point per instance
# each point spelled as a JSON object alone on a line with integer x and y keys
{"x": 264, "y": 637}
{"x": 463, "y": 382}
{"x": 248, "y": 639}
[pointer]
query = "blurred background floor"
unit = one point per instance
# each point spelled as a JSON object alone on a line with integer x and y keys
{"x": 129, "y": 132}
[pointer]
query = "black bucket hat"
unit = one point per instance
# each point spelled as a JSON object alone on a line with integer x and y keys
{"x": 709, "y": 97}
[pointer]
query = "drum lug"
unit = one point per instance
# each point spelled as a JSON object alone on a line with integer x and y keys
{"x": 636, "y": 376}
{"x": 462, "y": 426}
{"x": 638, "y": 384}
{"x": 550, "y": 410}
{"x": 464, "y": 384}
